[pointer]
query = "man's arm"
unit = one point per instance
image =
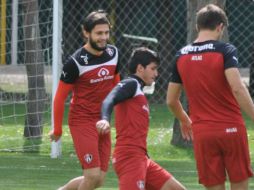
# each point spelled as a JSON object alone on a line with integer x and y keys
{"x": 122, "y": 91}
{"x": 240, "y": 92}
{"x": 61, "y": 94}
{"x": 174, "y": 104}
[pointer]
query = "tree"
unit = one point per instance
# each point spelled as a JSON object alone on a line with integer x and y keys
{"x": 192, "y": 7}
{"x": 164, "y": 37}
{"x": 35, "y": 70}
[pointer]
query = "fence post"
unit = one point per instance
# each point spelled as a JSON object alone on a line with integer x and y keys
{"x": 56, "y": 62}
{"x": 14, "y": 33}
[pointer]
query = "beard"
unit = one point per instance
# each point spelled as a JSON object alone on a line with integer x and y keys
{"x": 95, "y": 46}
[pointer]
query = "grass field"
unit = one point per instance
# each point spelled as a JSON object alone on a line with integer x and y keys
{"x": 23, "y": 168}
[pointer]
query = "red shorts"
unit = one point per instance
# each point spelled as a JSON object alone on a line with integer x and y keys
{"x": 92, "y": 149}
{"x": 220, "y": 150}
{"x": 139, "y": 173}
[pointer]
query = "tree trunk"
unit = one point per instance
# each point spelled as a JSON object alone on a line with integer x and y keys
{"x": 165, "y": 47}
{"x": 192, "y": 7}
{"x": 35, "y": 71}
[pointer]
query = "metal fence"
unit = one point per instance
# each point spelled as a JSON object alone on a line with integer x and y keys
{"x": 158, "y": 24}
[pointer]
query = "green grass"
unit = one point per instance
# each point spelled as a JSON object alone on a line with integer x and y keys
{"x": 26, "y": 165}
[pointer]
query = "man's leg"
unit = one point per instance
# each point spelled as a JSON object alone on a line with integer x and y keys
{"x": 159, "y": 178}
{"x": 73, "y": 184}
{"x": 92, "y": 179}
{"x": 217, "y": 187}
{"x": 93, "y": 152}
{"x": 243, "y": 185}
{"x": 172, "y": 184}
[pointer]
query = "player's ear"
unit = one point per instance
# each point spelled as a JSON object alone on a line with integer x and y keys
{"x": 85, "y": 34}
{"x": 220, "y": 27}
{"x": 197, "y": 28}
{"x": 140, "y": 68}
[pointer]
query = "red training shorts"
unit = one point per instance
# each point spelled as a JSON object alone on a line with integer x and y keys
{"x": 139, "y": 173}
{"x": 220, "y": 150}
{"x": 92, "y": 149}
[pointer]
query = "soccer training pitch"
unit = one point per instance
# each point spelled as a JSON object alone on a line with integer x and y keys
{"x": 35, "y": 170}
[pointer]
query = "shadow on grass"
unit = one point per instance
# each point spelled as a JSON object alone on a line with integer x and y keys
{"x": 32, "y": 144}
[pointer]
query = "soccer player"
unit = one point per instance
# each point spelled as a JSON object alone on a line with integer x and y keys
{"x": 207, "y": 71}
{"x": 134, "y": 168}
{"x": 90, "y": 73}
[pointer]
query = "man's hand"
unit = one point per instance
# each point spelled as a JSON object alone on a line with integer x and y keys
{"x": 186, "y": 129}
{"x": 103, "y": 126}
{"x": 54, "y": 137}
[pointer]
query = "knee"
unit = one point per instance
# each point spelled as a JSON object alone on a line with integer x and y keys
{"x": 173, "y": 184}
{"x": 100, "y": 182}
{"x": 94, "y": 179}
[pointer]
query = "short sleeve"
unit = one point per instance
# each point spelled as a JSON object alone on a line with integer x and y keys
{"x": 70, "y": 71}
{"x": 230, "y": 57}
{"x": 175, "y": 76}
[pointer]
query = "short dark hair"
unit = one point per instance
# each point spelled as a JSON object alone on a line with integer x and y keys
{"x": 94, "y": 18}
{"x": 143, "y": 56}
{"x": 211, "y": 16}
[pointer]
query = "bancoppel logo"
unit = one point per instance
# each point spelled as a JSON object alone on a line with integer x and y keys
{"x": 88, "y": 158}
{"x": 141, "y": 184}
{"x": 110, "y": 51}
{"x": 103, "y": 72}
{"x": 85, "y": 58}
{"x": 103, "y": 75}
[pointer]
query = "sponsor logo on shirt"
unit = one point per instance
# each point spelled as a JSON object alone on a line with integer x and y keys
{"x": 110, "y": 51}
{"x": 103, "y": 74}
{"x": 235, "y": 58}
{"x": 196, "y": 58}
{"x": 190, "y": 48}
{"x": 141, "y": 184}
{"x": 88, "y": 158}
{"x": 120, "y": 84}
{"x": 231, "y": 130}
{"x": 64, "y": 74}
{"x": 85, "y": 58}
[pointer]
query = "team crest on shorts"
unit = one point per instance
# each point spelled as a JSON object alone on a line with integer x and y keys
{"x": 141, "y": 184}
{"x": 88, "y": 158}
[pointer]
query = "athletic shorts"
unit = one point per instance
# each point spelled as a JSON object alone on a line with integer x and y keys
{"x": 220, "y": 152}
{"x": 93, "y": 150}
{"x": 139, "y": 173}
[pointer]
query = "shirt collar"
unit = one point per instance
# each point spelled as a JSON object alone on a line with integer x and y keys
{"x": 141, "y": 82}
